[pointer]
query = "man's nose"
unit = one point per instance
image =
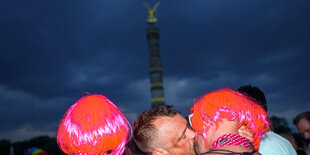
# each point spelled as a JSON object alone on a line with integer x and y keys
{"x": 191, "y": 133}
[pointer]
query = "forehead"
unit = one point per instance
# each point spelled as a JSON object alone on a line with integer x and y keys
{"x": 170, "y": 127}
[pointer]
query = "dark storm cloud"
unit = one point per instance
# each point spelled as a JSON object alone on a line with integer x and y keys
{"x": 234, "y": 33}
{"x": 58, "y": 41}
{"x": 53, "y": 52}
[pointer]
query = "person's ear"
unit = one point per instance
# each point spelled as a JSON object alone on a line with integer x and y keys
{"x": 245, "y": 132}
{"x": 159, "y": 151}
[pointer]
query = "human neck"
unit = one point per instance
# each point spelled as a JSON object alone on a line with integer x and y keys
{"x": 229, "y": 127}
{"x": 226, "y": 127}
{"x": 232, "y": 139}
{"x": 235, "y": 148}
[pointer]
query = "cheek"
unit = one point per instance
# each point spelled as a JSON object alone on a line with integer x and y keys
{"x": 185, "y": 145}
{"x": 299, "y": 129}
{"x": 184, "y": 142}
{"x": 200, "y": 145}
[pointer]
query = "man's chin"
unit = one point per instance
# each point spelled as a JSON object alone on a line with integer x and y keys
{"x": 199, "y": 147}
{"x": 197, "y": 151}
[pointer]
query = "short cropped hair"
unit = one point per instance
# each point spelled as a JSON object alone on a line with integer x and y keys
{"x": 231, "y": 105}
{"x": 93, "y": 125}
{"x": 254, "y": 93}
{"x": 144, "y": 131}
{"x": 304, "y": 115}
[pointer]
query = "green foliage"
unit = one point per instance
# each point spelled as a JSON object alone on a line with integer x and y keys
{"x": 280, "y": 125}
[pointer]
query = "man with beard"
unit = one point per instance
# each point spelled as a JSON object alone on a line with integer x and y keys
{"x": 163, "y": 131}
{"x": 302, "y": 122}
{"x": 218, "y": 115}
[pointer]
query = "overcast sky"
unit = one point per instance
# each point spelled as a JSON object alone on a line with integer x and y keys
{"x": 54, "y": 51}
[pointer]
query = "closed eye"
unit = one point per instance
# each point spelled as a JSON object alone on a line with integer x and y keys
{"x": 183, "y": 135}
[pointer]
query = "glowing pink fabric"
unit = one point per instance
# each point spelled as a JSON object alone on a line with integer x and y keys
{"x": 229, "y": 104}
{"x": 93, "y": 125}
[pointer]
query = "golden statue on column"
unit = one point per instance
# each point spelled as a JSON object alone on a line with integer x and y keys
{"x": 151, "y": 11}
